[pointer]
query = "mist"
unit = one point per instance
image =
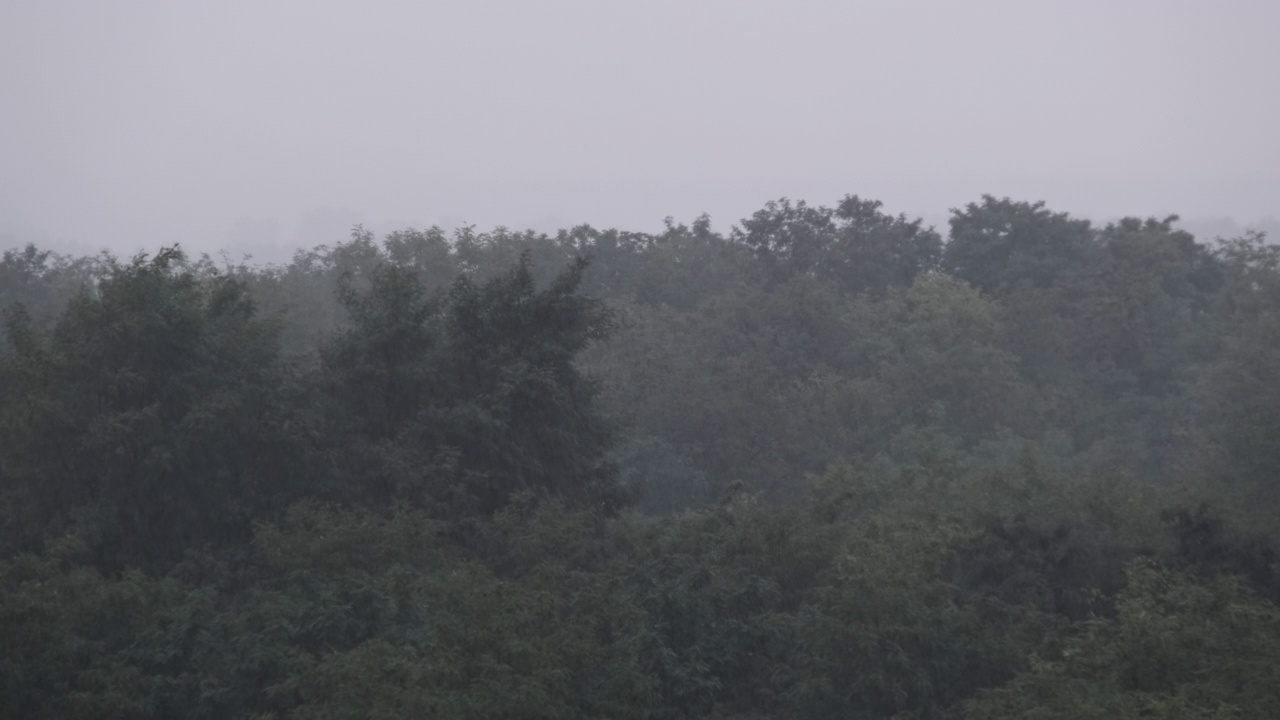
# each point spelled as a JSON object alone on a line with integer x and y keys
{"x": 260, "y": 128}
{"x": 716, "y": 360}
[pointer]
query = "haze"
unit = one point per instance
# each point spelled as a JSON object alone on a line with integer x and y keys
{"x": 260, "y": 127}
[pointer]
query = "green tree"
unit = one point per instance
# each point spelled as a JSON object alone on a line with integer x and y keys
{"x": 479, "y": 387}
{"x": 42, "y": 282}
{"x": 1240, "y": 392}
{"x": 1148, "y": 306}
{"x": 999, "y": 245}
{"x": 855, "y": 245}
{"x": 1178, "y": 648}
{"x": 520, "y": 411}
{"x": 149, "y": 419}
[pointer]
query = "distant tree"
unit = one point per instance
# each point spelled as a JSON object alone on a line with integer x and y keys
{"x": 683, "y": 266}
{"x": 1240, "y": 391}
{"x": 522, "y": 412}
{"x": 148, "y": 419}
{"x": 483, "y": 256}
{"x": 934, "y": 356}
{"x": 1178, "y": 648}
{"x": 427, "y": 253}
{"x": 482, "y": 379}
{"x": 788, "y": 238}
{"x": 1148, "y": 305}
{"x": 875, "y": 251}
{"x": 854, "y": 245}
{"x": 42, "y": 282}
{"x": 379, "y": 368}
{"x": 999, "y": 245}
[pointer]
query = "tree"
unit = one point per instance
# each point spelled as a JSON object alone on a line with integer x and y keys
{"x": 1147, "y": 305}
{"x": 478, "y": 384}
{"x": 1178, "y": 648}
{"x": 874, "y": 252}
{"x": 518, "y": 408}
{"x": 1000, "y": 245}
{"x": 42, "y": 282}
{"x": 1240, "y": 391}
{"x": 854, "y": 245}
{"x": 148, "y": 419}
{"x": 379, "y": 368}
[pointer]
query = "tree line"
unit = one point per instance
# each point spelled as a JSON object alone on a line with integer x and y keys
{"x": 827, "y": 463}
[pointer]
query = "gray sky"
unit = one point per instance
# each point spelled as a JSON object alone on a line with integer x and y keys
{"x": 244, "y": 123}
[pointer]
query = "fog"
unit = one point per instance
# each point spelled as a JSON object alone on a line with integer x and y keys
{"x": 259, "y": 127}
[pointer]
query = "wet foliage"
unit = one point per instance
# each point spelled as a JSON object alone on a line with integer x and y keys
{"x": 822, "y": 465}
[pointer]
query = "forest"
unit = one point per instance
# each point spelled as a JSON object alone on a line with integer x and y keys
{"x": 830, "y": 463}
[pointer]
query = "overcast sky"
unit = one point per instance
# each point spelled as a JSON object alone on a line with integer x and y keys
{"x": 251, "y": 124}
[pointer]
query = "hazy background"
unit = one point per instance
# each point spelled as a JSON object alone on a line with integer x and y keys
{"x": 261, "y": 126}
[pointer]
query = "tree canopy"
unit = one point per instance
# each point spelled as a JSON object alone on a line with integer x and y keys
{"x": 823, "y": 464}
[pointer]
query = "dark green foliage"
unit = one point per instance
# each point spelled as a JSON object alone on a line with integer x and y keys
{"x": 1240, "y": 393}
{"x": 682, "y": 267}
{"x": 721, "y": 590}
{"x": 876, "y": 476}
{"x": 147, "y": 419}
{"x": 354, "y": 615}
{"x": 468, "y": 397}
{"x": 520, "y": 412}
{"x": 854, "y": 245}
{"x": 379, "y": 370}
{"x": 41, "y": 282}
{"x": 1204, "y": 542}
{"x": 1001, "y": 245}
{"x": 1067, "y": 570}
{"x": 1146, "y": 305}
{"x": 77, "y": 644}
{"x": 890, "y": 636}
{"x": 1177, "y": 649}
